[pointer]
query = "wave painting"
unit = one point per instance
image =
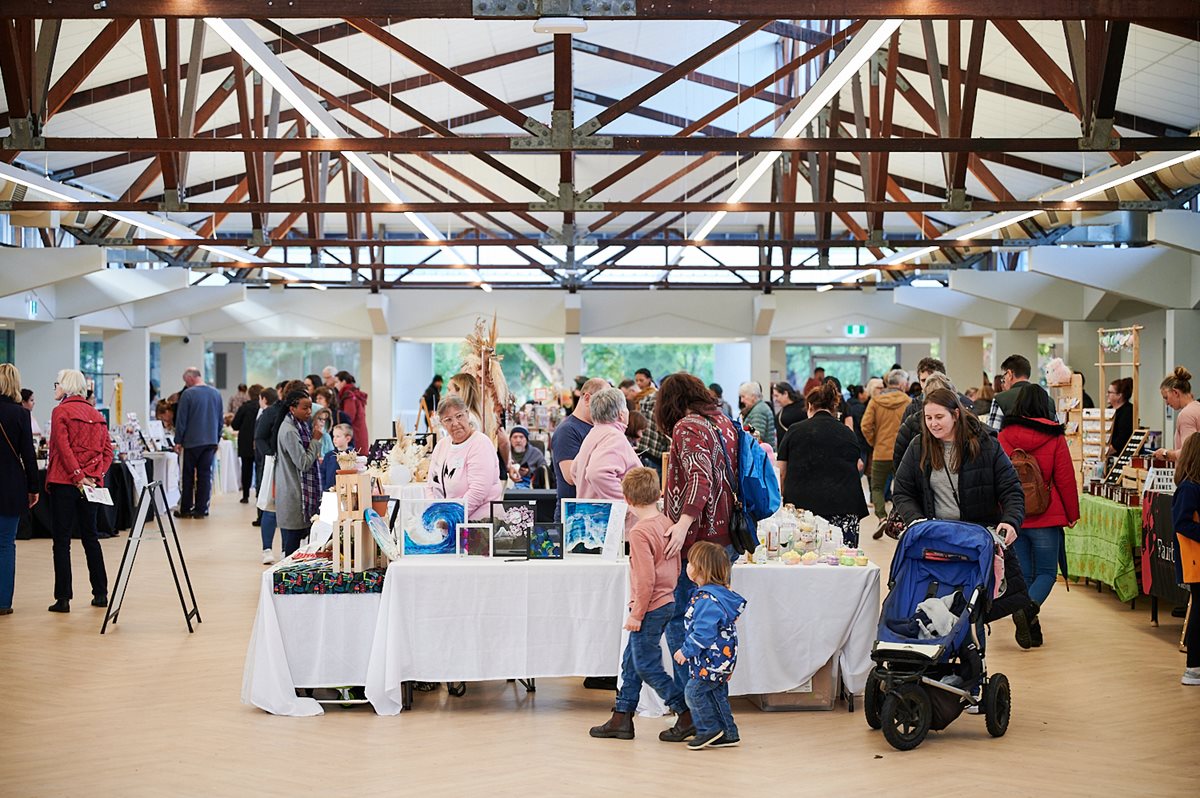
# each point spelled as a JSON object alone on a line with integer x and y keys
{"x": 585, "y": 525}
{"x": 429, "y": 526}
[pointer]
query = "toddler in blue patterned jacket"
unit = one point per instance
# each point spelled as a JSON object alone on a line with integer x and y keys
{"x": 710, "y": 646}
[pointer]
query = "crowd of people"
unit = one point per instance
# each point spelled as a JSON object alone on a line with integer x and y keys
{"x": 923, "y": 446}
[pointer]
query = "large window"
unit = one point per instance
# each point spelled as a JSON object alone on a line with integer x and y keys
{"x": 271, "y": 362}
{"x": 851, "y": 364}
{"x": 7, "y": 353}
{"x": 91, "y": 363}
{"x": 616, "y": 362}
{"x": 525, "y": 366}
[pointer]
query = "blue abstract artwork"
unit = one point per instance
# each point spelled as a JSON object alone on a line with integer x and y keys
{"x": 587, "y": 525}
{"x": 429, "y": 526}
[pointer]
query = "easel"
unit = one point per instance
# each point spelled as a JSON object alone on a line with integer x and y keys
{"x": 423, "y": 412}
{"x": 153, "y": 499}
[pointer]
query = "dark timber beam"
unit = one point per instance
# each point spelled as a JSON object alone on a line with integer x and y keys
{"x": 646, "y": 9}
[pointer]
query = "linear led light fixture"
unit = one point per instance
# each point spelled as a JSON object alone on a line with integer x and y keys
{"x": 860, "y": 49}
{"x": 1109, "y": 178}
{"x": 155, "y": 225}
{"x": 237, "y": 34}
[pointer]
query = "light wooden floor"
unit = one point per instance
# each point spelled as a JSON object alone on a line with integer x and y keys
{"x": 148, "y": 710}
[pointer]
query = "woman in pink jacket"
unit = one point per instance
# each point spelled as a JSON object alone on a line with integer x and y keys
{"x": 463, "y": 464}
{"x": 605, "y": 456}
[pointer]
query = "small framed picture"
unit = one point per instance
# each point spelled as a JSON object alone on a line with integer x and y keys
{"x": 546, "y": 541}
{"x": 427, "y": 526}
{"x": 512, "y": 525}
{"x": 593, "y": 527}
{"x": 475, "y": 540}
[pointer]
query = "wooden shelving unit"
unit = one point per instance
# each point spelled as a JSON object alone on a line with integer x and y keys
{"x": 1068, "y": 401}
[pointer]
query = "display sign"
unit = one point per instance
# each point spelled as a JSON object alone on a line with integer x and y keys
{"x": 1158, "y": 550}
{"x": 856, "y": 331}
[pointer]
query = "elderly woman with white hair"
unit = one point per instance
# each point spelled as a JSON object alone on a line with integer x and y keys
{"x": 756, "y": 413}
{"x": 605, "y": 456}
{"x": 463, "y": 464}
{"x": 80, "y": 454}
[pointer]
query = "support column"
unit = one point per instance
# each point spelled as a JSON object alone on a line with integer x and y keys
{"x": 572, "y": 362}
{"x": 963, "y": 357}
{"x": 1183, "y": 331}
{"x": 413, "y": 372}
{"x": 731, "y": 367}
{"x": 1080, "y": 350}
{"x": 41, "y": 351}
{"x": 779, "y": 365}
{"x": 1014, "y": 342}
{"x": 911, "y": 354}
{"x": 379, "y": 357}
{"x": 128, "y": 352}
{"x": 178, "y": 355}
{"x": 760, "y": 361}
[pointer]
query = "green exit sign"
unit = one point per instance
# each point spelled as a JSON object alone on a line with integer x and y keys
{"x": 856, "y": 331}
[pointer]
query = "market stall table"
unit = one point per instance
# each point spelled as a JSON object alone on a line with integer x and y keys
{"x": 1101, "y": 544}
{"x": 308, "y": 641}
{"x": 227, "y": 469}
{"x": 165, "y": 469}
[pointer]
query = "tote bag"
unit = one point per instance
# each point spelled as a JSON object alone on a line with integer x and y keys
{"x": 266, "y": 493}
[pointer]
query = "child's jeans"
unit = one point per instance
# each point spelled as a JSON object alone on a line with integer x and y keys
{"x": 643, "y": 662}
{"x": 709, "y": 703}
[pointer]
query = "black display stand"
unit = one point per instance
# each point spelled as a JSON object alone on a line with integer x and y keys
{"x": 153, "y": 500}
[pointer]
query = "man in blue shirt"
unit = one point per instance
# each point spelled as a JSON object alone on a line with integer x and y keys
{"x": 568, "y": 437}
{"x": 199, "y": 417}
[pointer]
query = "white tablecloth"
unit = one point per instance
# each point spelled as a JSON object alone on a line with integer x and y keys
{"x": 797, "y": 618}
{"x": 227, "y": 476}
{"x": 474, "y": 620}
{"x": 167, "y": 471}
{"x": 306, "y": 641}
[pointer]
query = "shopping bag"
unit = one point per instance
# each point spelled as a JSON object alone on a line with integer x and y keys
{"x": 266, "y": 491}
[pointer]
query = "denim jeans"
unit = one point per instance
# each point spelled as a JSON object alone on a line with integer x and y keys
{"x": 197, "y": 478}
{"x": 643, "y": 662}
{"x": 675, "y": 627}
{"x": 8, "y": 558}
{"x": 709, "y": 703}
{"x": 268, "y": 529}
{"x": 291, "y": 539}
{"x": 1037, "y": 550}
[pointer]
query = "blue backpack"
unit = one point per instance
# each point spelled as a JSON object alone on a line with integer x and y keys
{"x": 758, "y": 487}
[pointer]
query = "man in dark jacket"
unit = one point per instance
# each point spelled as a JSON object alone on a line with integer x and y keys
{"x": 199, "y": 417}
{"x": 264, "y": 438}
{"x": 1014, "y": 372}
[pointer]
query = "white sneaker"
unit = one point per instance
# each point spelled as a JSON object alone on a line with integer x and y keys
{"x": 268, "y": 557}
{"x": 1191, "y": 676}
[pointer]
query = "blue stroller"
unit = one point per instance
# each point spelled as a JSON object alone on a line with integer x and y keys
{"x": 929, "y": 655}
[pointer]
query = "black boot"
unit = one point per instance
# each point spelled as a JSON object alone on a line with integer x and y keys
{"x": 619, "y": 726}
{"x": 62, "y": 605}
{"x": 683, "y": 729}
{"x": 1035, "y": 625}
{"x": 1025, "y": 619}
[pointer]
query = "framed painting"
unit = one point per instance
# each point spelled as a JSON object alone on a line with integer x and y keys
{"x": 475, "y": 540}
{"x": 512, "y": 525}
{"x": 428, "y": 526}
{"x": 546, "y": 541}
{"x": 593, "y": 527}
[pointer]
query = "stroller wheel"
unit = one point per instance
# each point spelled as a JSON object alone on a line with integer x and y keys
{"x": 997, "y": 704}
{"x": 873, "y": 701}
{"x": 906, "y": 716}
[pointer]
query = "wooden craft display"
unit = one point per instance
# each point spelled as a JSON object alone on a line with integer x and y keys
{"x": 1125, "y": 457}
{"x": 353, "y": 547}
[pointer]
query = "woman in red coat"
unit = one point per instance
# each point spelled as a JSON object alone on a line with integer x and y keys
{"x": 1032, "y": 428}
{"x": 80, "y": 454}
{"x": 353, "y": 402}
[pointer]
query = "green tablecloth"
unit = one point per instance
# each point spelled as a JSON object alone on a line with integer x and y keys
{"x": 1101, "y": 545}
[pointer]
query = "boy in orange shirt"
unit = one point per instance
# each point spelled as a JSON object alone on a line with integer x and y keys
{"x": 652, "y": 578}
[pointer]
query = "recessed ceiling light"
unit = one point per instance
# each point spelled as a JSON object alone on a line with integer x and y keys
{"x": 823, "y": 288}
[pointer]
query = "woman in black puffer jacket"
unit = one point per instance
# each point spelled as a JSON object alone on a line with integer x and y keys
{"x": 957, "y": 471}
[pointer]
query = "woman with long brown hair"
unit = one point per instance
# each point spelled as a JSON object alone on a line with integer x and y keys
{"x": 698, "y": 497}
{"x": 957, "y": 471}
